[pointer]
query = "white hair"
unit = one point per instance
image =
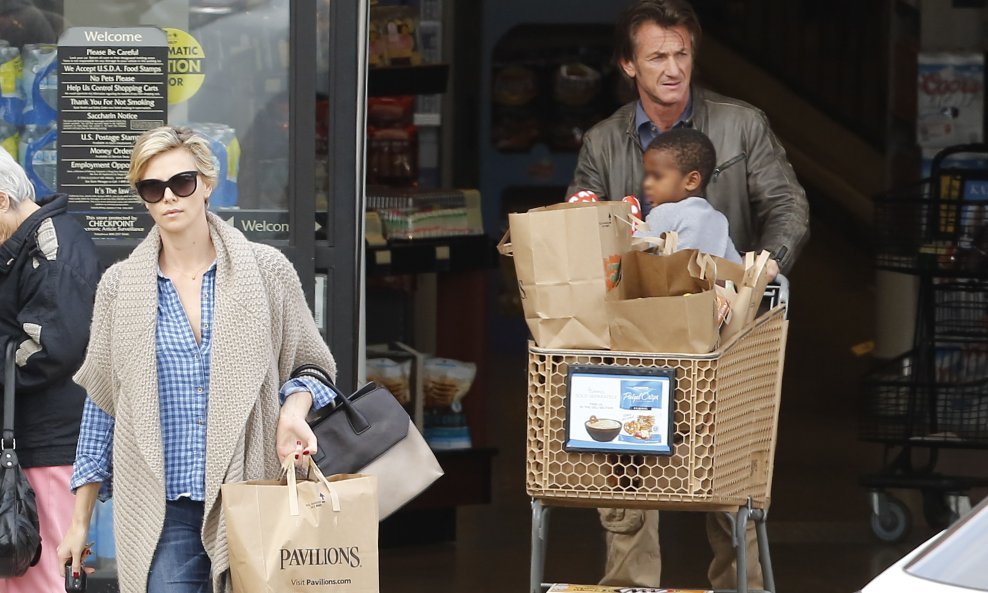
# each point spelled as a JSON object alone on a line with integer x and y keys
{"x": 13, "y": 180}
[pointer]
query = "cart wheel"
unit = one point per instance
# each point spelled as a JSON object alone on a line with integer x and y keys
{"x": 894, "y": 525}
{"x": 936, "y": 510}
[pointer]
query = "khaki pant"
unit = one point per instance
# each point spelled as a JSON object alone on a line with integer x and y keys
{"x": 634, "y": 558}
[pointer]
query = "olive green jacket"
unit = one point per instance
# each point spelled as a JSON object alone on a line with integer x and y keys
{"x": 753, "y": 185}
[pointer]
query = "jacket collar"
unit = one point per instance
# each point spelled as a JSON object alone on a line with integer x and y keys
{"x": 11, "y": 248}
{"x": 699, "y": 119}
{"x": 695, "y": 115}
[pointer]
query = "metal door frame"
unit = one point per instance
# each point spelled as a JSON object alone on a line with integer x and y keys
{"x": 340, "y": 257}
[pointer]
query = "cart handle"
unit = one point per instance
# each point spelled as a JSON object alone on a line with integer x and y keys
{"x": 939, "y": 157}
{"x": 778, "y": 293}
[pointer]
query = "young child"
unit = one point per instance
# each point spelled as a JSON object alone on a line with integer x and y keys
{"x": 678, "y": 165}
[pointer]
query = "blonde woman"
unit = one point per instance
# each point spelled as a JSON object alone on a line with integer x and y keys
{"x": 193, "y": 339}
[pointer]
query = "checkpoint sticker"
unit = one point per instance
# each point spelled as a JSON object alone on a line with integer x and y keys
{"x": 186, "y": 62}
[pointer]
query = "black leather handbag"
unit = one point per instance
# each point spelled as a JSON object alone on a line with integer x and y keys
{"x": 370, "y": 433}
{"x": 20, "y": 537}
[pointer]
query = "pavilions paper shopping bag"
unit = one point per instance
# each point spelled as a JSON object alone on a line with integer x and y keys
{"x": 748, "y": 290}
{"x": 568, "y": 260}
{"x": 301, "y": 535}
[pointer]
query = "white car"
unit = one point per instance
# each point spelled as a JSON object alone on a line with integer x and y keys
{"x": 955, "y": 561}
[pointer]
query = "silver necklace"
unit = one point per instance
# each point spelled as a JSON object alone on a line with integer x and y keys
{"x": 198, "y": 272}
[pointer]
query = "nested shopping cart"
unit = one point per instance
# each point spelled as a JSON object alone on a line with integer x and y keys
{"x": 936, "y": 395}
{"x": 726, "y": 414}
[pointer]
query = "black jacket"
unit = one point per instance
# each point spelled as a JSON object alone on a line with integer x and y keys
{"x": 48, "y": 276}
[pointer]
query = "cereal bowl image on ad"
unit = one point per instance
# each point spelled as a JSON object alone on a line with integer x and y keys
{"x": 602, "y": 430}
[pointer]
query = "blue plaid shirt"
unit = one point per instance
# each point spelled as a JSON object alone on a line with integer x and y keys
{"x": 183, "y": 383}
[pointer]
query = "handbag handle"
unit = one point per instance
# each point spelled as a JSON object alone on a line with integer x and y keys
{"x": 10, "y": 356}
{"x": 357, "y": 421}
{"x": 289, "y": 471}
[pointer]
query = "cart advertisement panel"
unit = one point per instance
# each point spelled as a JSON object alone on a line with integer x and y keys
{"x": 620, "y": 410}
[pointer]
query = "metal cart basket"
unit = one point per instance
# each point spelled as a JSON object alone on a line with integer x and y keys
{"x": 724, "y": 435}
{"x": 936, "y": 395}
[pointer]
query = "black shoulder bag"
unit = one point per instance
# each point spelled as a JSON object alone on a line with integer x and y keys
{"x": 20, "y": 538}
{"x": 370, "y": 433}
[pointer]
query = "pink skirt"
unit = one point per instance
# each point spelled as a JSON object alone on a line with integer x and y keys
{"x": 55, "y": 505}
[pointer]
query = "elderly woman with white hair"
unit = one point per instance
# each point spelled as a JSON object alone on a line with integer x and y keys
{"x": 194, "y": 339}
{"x": 48, "y": 277}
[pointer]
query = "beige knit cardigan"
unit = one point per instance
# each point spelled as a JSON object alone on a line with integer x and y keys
{"x": 262, "y": 330}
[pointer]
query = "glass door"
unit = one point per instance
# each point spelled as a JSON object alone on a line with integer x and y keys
{"x": 248, "y": 75}
{"x": 339, "y": 177}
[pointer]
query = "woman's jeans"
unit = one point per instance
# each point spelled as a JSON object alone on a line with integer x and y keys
{"x": 180, "y": 563}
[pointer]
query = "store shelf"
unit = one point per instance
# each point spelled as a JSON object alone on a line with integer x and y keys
{"x": 422, "y": 256}
{"x": 428, "y": 79}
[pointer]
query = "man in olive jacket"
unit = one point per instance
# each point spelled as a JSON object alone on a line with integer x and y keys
{"x": 753, "y": 185}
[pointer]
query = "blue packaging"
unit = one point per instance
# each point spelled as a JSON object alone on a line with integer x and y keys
{"x": 226, "y": 156}
{"x": 10, "y": 138}
{"x": 11, "y": 94}
{"x": 38, "y": 148}
{"x": 40, "y": 84}
{"x": 641, "y": 395}
{"x": 641, "y": 400}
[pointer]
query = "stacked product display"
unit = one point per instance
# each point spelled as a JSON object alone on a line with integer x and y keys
{"x": 431, "y": 390}
{"x": 29, "y": 110}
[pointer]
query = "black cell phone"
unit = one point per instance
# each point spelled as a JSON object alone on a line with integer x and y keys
{"x": 74, "y": 584}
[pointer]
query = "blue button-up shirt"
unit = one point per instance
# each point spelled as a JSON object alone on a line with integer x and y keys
{"x": 183, "y": 386}
{"x": 647, "y": 131}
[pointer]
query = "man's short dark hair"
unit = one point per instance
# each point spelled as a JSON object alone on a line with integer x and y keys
{"x": 691, "y": 150}
{"x": 664, "y": 13}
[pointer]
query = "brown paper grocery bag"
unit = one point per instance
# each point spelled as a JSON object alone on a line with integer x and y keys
{"x": 749, "y": 290}
{"x": 568, "y": 260}
{"x": 301, "y": 535}
{"x": 667, "y": 304}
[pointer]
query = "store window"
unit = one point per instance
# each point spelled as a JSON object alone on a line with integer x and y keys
{"x": 228, "y": 75}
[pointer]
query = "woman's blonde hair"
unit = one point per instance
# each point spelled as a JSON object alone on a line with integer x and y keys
{"x": 160, "y": 140}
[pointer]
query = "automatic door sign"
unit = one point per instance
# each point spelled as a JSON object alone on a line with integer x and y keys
{"x": 186, "y": 66}
{"x": 620, "y": 410}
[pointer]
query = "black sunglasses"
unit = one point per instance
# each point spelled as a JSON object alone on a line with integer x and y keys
{"x": 182, "y": 185}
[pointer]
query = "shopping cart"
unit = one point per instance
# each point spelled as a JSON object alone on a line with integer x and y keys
{"x": 936, "y": 395}
{"x": 726, "y": 413}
